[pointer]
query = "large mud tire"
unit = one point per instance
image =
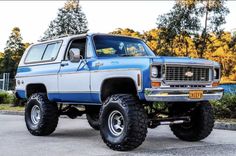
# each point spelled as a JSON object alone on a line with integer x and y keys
{"x": 201, "y": 125}
{"x": 132, "y": 118}
{"x": 41, "y": 115}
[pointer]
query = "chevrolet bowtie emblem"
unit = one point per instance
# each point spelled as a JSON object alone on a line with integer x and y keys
{"x": 189, "y": 74}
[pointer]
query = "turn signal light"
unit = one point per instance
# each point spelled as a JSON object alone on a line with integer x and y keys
{"x": 156, "y": 84}
{"x": 215, "y": 84}
{"x": 139, "y": 79}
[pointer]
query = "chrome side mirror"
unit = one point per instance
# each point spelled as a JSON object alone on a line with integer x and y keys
{"x": 74, "y": 55}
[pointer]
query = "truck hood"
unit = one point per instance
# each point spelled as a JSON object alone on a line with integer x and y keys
{"x": 182, "y": 60}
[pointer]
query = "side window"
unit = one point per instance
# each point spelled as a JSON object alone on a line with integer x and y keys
{"x": 81, "y": 44}
{"x": 51, "y": 51}
{"x": 35, "y": 53}
{"x": 43, "y": 52}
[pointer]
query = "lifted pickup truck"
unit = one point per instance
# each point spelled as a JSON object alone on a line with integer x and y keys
{"x": 118, "y": 81}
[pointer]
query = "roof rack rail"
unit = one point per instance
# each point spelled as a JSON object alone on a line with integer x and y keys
{"x": 54, "y": 37}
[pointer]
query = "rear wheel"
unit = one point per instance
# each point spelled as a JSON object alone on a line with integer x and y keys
{"x": 92, "y": 114}
{"x": 41, "y": 115}
{"x": 123, "y": 122}
{"x": 201, "y": 124}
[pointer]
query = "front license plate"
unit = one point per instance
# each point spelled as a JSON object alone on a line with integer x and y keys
{"x": 195, "y": 94}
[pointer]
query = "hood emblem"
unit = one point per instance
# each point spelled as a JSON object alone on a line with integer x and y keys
{"x": 189, "y": 74}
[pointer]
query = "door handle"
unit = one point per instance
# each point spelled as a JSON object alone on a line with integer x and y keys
{"x": 98, "y": 64}
{"x": 64, "y": 64}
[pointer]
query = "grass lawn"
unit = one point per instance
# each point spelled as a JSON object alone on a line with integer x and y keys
{"x": 8, "y": 107}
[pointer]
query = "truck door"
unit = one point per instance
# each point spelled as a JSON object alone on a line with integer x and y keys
{"x": 74, "y": 78}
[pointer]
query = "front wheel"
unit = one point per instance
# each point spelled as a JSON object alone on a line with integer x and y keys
{"x": 201, "y": 124}
{"x": 41, "y": 116}
{"x": 123, "y": 122}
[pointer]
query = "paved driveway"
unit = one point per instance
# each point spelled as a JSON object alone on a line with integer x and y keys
{"x": 75, "y": 137}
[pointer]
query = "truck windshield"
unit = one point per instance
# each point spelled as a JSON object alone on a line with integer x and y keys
{"x": 120, "y": 46}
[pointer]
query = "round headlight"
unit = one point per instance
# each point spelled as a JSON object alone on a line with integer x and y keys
{"x": 215, "y": 73}
{"x": 154, "y": 72}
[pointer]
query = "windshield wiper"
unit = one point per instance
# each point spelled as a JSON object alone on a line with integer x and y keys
{"x": 123, "y": 55}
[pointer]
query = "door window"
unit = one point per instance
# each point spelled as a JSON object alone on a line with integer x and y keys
{"x": 78, "y": 43}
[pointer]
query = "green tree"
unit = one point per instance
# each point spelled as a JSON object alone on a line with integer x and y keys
{"x": 27, "y": 44}
{"x": 1, "y": 55}
{"x": 150, "y": 37}
{"x": 70, "y": 20}
{"x": 181, "y": 21}
{"x": 185, "y": 20}
{"x": 222, "y": 50}
{"x": 127, "y": 32}
{"x": 213, "y": 13}
{"x": 1, "y": 58}
{"x": 12, "y": 53}
{"x": 157, "y": 44}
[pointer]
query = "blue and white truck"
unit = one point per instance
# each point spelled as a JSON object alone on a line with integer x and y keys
{"x": 118, "y": 81}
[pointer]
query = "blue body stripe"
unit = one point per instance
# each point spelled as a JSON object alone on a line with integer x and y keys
{"x": 74, "y": 97}
{"x": 21, "y": 94}
{"x": 67, "y": 97}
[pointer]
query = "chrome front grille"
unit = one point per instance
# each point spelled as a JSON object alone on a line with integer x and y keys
{"x": 187, "y": 86}
{"x": 187, "y": 73}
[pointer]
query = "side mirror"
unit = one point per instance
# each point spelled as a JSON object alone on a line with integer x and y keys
{"x": 74, "y": 54}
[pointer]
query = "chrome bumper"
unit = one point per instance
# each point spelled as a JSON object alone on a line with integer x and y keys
{"x": 181, "y": 94}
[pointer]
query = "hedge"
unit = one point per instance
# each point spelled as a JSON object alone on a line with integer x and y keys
{"x": 7, "y": 98}
{"x": 226, "y": 107}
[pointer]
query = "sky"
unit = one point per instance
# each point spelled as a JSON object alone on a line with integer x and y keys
{"x": 33, "y": 17}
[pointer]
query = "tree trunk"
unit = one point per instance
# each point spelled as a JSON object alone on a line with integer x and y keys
{"x": 204, "y": 33}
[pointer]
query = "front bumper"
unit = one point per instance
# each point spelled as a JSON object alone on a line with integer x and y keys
{"x": 182, "y": 94}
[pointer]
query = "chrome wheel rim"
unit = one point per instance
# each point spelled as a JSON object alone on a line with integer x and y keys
{"x": 116, "y": 123}
{"x": 35, "y": 114}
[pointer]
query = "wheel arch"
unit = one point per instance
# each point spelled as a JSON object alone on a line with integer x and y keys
{"x": 35, "y": 88}
{"x": 113, "y": 82}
